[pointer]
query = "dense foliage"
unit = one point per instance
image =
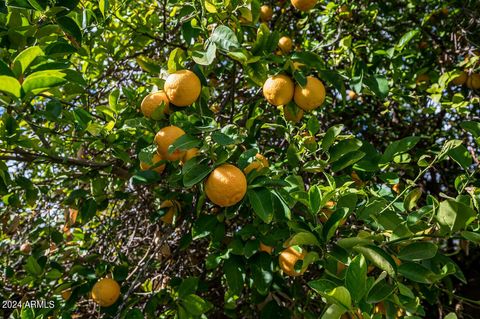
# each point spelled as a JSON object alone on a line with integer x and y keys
{"x": 378, "y": 187}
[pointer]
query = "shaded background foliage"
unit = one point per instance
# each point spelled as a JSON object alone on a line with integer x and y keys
{"x": 73, "y": 75}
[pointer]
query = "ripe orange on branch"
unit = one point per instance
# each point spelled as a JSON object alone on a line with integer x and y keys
{"x": 182, "y": 87}
{"x": 152, "y": 103}
{"x": 266, "y": 13}
{"x": 105, "y": 292}
{"x": 278, "y": 89}
{"x": 304, "y": 5}
{"x": 226, "y": 185}
{"x": 285, "y": 44}
{"x": 258, "y": 163}
{"x": 166, "y": 137}
{"x": 289, "y": 257}
{"x": 311, "y": 96}
{"x": 155, "y": 159}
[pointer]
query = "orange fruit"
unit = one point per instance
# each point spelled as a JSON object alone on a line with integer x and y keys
{"x": 278, "y": 89}
{"x": 189, "y": 154}
{"x": 289, "y": 257}
{"x": 473, "y": 81}
{"x": 352, "y": 95}
{"x": 311, "y": 96}
{"x": 265, "y": 248}
{"x": 266, "y": 13}
{"x": 258, "y": 163}
{"x": 173, "y": 208}
{"x": 166, "y": 137}
{"x": 153, "y": 103}
{"x": 106, "y": 292}
{"x": 226, "y": 185}
{"x": 66, "y": 294}
{"x": 155, "y": 159}
{"x": 26, "y": 248}
{"x": 285, "y": 44}
{"x": 182, "y": 87}
{"x": 292, "y": 114}
{"x": 422, "y": 78}
{"x": 303, "y": 5}
{"x": 460, "y": 79}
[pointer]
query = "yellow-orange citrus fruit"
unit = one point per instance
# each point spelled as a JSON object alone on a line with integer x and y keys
{"x": 293, "y": 115}
{"x": 423, "y": 45}
{"x": 66, "y": 294}
{"x": 345, "y": 12}
{"x": 166, "y": 137}
{"x": 258, "y": 163}
{"x": 303, "y": 5}
{"x": 278, "y": 89}
{"x": 155, "y": 159}
{"x": 422, "y": 78}
{"x": 397, "y": 261}
{"x": 172, "y": 210}
{"x": 473, "y": 81}
{"x": 265, "y": 248}
{"x": 189, "y": 154}
{"x": 182, "y": 87}
{"x": 226, "y": 185}
{"x": 460, "y": 79}
{"x": 26, "y": 248}
{"x": 266, "y": 13}
{"x": 285, "y": 44}
{"x": 288, "y": 258}
{"x": 105, "y": 292}
{"x": 311, "y": 96}
{"x": 396, "y": 188}
{"x": 379, "y": 308}
{"x": 352, "y": 95}
{"x": 153, "y": 102}
{"x": 297, "y": 65}
{"x": 340, "y": 267}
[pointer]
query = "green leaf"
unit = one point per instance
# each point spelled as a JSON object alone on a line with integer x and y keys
{"x": 378, "y": 257}
{"x": 261, "y": 201}
{"x": 194, "y": 171}
{"x": 330, "y": 136}
{"x": 398, "y": 147}
{"x": 334, "y": 312}
{"x": 412, "y": 198}
{"x": 23, "y": 60}
{"x": 472, "y": 127}
{"x": 315, "y": 198}
{"x": 454, "y": 215}
{"x": 43, "y": 80}
{"x": 379, "y": 291}
{"x": 196, "y": 305}
{"x": 356, "y": 278}
{"x": 32, "y": 267}
{"x": 103, "y": 6}
{"x": 303, "y": 238}
{"x": 10, "y": 86}
{"x": 70, "y": 27}
{"x": 184, "y": 143}
{"x": 204, "y": 226}
{"x": 341, "y": 296}
{"x": 224, "y": 38}
{"x": 405, "y": 39}
{"x": 461, "y": 155}
{"x": 313, "y": 125}
{"x": 222, "y": 139}
{"x": 188, "y": 286}
{"x": 416, "y": 272}
{"x": 418, "y": 251}
{"x": 234, "y": 274}
{"x": 205, "y": 57}
{"x": 378, "y": 85}
{"x": 344, "y": 147}
{"x": 347, "y": 160}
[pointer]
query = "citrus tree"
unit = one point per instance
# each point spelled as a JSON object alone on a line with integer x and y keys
{"x": 187, "y": 159}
